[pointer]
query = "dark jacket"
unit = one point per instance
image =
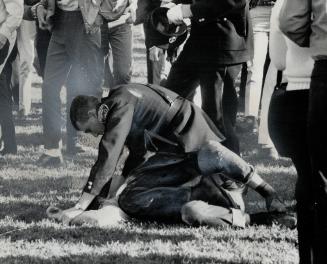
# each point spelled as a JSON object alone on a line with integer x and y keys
{"x": 221, "y": 31}
{"x": 146, "y": 119}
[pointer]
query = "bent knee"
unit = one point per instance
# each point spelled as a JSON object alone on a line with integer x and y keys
{"x": 192, "y": 212}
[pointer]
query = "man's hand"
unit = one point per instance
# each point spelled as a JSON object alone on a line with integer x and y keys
{"x": 155, "y": 53}
{"x": 132, "y": 10}
{"x": 69, "y": 214}
{"x": 3, "y": 40}
{"x": 175, "y": 15}
{"x": 41, "y": 14}
{"x": 118, "y": 5}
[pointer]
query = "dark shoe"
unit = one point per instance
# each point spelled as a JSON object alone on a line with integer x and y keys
{"x": 275, "y": 205}
{"x": 74, "y": 149}
{"x": 49, "y": 161}
{"x": 7, "y": 151}
{"x": 248, "y": 125}
{"x": 288, "y": 220}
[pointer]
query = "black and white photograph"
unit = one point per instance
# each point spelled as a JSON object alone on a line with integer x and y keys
{"x": 163, "y": 131}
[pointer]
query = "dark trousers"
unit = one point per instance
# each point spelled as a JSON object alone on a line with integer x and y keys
{"x": 219, "y": 97}
{"x": 41, "y": 45}
{"x": 287, "y": 121}
{"x": 317, "y": 140}
{"x": 154, "y": 190}
{"x": 117, "y": 41}
{"x": 7, "y": 126}
{"x": 71, "y": 53}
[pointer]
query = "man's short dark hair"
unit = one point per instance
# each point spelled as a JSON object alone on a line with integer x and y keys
{"x": 80, "y": 107}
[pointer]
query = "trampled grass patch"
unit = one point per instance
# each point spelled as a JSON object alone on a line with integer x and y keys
{"x": 26, "y": 190}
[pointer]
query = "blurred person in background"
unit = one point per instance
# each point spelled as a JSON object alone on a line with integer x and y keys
{"x": 219, "y": 42}
{"x": 305, "y": 23}
{"x": 287, "y": 122}
{"x": 117, "y": 43}
{"x": 26, "y": 34}
{"x": 74, "y": 56}
{"x": 11, "y": 14}
{"x": 260, "y": 15}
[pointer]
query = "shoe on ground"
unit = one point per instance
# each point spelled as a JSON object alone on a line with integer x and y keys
{"x": 268, "y": 153}
{"x": 7, "y": 151}
{"x": 73, "y": 149}
{"x": 274, "y": 204}
{"x": 248, "y": 125}
{"x": 49, "y": 161}
{"x": 288, "y": 220}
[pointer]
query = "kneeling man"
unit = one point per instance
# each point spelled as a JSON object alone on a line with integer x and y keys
{"x": 178, "y": 169}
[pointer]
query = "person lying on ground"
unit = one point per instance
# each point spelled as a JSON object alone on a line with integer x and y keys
{"x": 172, "y": 142}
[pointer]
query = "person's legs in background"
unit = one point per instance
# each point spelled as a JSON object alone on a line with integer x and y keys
{"x": 42, "y": 41}
{"x": 287, "y": 122}
{"x": 243, "y": 82}
{"x": 157, "y": 69}
{"x": 255, "y": 79}
{"x": 77, "y": 54}
{"x": 56, "y": 71}
{"x": 85, "y": 77}
{"x": 7, "y": 134}
{"x": 25, "y": 45}
{"x": 267, "y": 146}
{"x": 317, "y": 141}
{"x": 120, "y": 40}
{"x": 183, "y": 77}
{"x": 219, "y": 100}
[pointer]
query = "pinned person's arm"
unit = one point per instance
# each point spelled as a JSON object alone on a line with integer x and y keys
{"x": 295, "y": 21}
{"x": 110, "y": 148}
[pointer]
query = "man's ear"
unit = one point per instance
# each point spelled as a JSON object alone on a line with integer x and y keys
{"x": 92, "y": 113}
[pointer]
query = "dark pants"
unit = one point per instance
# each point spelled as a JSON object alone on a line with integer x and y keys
{"x": 317, "y": 140}
{"x": 41, "y": 45}
{"x": 154, "y": 190}
{"x": 219, "y": 97}
{"x": 118, "y": 40}
{"x": 7, "y": 127}
{"x": 287, "y": 121}
{"x": 71, "y": 53}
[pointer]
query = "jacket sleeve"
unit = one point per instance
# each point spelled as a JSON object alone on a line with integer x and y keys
{"x": 119, "y": 123}
{"x": 15, "y": 10}
{"x": 215, "y": 8}
{"x": 295, "y": 21}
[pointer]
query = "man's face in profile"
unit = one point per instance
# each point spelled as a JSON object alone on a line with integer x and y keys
{"x": 92, "y": 125}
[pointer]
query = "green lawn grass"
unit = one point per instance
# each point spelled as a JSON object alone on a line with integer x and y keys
{"x": 26, "y": 190}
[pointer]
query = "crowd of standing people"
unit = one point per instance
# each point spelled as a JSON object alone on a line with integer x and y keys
{"x": 278, "y": 47}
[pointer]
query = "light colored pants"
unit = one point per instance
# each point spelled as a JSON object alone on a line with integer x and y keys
{"x": 25, "y": 44}
{"x": 268, "y": 89}
{"x": 11, "y": 45}
{"x": 160, "y": 69}
{"x": 202, "y": 213}
{"x": 255, "y": 74}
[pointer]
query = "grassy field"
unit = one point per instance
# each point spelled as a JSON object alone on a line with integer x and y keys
{"x": 26, "y": 190}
